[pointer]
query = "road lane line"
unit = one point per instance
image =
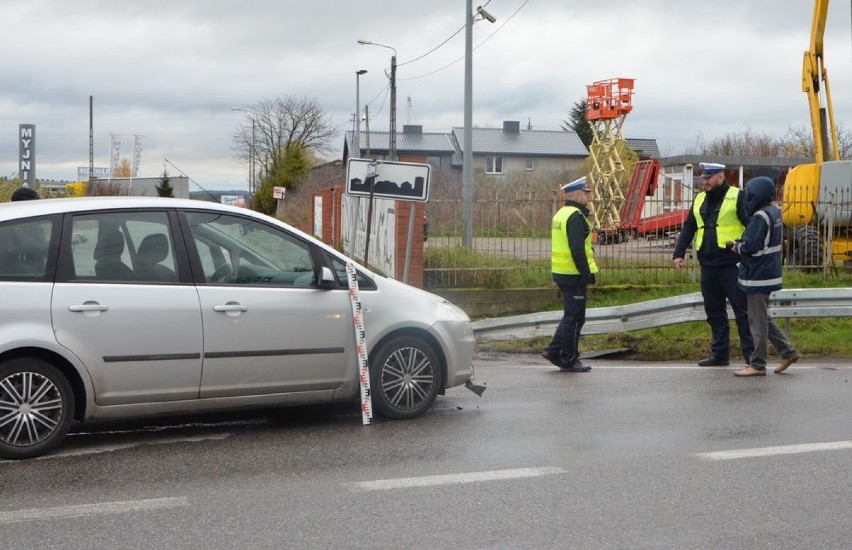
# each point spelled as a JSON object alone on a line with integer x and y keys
{"x": 122, "y": 446}
{"x": 453, "y": 479}
{"x": 612, "y": 366}
{"x": 101, "y": 508}
{"x": 778, "y": 450}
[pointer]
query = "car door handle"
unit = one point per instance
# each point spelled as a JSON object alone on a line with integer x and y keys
{"x": 231, "y": 306}
{"x": 88, "y": 306}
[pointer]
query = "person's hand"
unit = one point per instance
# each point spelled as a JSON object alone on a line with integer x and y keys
{"x": 678, "y": 262}
{"x": 730, "y": 245}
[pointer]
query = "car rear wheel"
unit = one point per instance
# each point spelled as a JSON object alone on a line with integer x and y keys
{"x": 405, "y": 378}
{"x": 36, "y": 404}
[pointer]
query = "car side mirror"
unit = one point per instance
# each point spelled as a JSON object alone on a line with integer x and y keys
{"x": 327, "y": 279}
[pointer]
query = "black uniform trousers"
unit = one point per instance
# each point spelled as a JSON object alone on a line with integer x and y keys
{"x": 566, "y": 339}
{"x": 718, "y": 284}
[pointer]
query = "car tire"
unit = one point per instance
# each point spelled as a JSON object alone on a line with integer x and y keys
{"x": 36, "y": 407}
{"x": 405, "y": 378}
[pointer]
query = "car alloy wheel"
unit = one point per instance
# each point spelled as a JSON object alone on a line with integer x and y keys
{"x": 406, "y": 377}
{"x": 35, "y": 408}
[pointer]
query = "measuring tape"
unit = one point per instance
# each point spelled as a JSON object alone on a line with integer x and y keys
{"x": 361, "y": 344}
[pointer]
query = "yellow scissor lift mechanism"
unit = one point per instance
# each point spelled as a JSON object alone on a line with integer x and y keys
{"x": 607, "y": 105}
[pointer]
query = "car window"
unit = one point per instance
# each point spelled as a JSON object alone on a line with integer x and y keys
{"x": 364, "y": 282}
{"x": 240, "y": 251}
{"x": 24, "y": 245}
{"x": 123, "y": 247}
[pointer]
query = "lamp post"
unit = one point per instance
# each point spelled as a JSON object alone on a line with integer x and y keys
{"x": 252, "y": 151}
{"x": 467, "y": 155}
{"x": 392, "y": 134}
{"x": 358, "y": 74}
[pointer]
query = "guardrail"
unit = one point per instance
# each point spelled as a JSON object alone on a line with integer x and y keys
{"x": 783, "y": 304}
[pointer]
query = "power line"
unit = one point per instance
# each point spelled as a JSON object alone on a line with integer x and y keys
{"x": 475, "y": 48}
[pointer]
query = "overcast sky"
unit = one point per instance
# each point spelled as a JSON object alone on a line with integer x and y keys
{"x": 173, "y": 70}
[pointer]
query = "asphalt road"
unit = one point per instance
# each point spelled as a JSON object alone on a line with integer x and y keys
{"x": 629, "y": 455}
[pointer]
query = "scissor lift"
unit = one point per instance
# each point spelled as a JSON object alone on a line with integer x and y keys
{"x": 608, "y": 103}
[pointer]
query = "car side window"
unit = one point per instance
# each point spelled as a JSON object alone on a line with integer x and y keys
{"x": 24, "y": 246}
{"x": 364, "y": 282}
{"x": 235, "y": 250}
{"x": 122, "y": 247}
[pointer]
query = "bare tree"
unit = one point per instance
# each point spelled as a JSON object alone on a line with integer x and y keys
{"x": 273, "y": 125}
{"x": 797, "y": 142}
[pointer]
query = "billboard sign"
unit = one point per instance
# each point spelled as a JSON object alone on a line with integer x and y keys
{"x": 98, "y": 172}
{"x": 406, "y": 181}
{"x": 26, "y": 154}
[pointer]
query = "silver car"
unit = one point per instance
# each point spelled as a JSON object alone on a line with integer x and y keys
{"x": 119, "y": 307}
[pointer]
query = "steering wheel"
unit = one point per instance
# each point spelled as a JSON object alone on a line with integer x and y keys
{"x": 222, "y": 274}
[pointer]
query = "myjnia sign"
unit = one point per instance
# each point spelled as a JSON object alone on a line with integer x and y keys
{"x": 407, "y": 181}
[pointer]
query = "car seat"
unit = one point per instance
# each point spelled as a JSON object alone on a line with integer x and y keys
{"x": 153, "y": 250}
{"x": 108, "y": 264}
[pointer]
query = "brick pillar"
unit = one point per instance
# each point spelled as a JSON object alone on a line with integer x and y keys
{"x": 415, "y": 265}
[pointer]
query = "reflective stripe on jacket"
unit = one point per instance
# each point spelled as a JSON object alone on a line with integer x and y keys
{"x": 760, "y": 251}
{"x": 561, "y": 260}
{"x": 728, "y": 224}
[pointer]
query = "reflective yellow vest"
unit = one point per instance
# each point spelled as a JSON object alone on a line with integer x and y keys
{"x": 561, "y": 260}
{"x": 728, "y": 225}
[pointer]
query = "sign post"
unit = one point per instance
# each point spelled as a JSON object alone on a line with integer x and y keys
{"x": 406, "y": 181}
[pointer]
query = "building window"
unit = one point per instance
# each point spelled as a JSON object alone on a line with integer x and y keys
{"x": 529, "y": 165}
{"x": 493, "y": 165}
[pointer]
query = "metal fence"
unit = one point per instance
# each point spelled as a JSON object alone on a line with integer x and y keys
{"x": 511, "y": 241}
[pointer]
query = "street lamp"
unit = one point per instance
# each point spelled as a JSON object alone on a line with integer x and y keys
{"x": 253, "y": 151}
{"x": 392, "y": 136}
{"x": 467, "y": 156}
{"x": 358, "y": 74}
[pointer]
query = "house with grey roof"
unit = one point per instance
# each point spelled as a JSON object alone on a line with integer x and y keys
{"x": 497, "y": 152}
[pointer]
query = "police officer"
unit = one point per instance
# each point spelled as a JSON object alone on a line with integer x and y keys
{"x": 573, "y": 268}
{"x": 717, "y": 216}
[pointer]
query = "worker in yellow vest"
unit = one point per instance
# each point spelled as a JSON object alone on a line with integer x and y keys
{"x": 573, "y": 268}
{"x": 718, "y": 215}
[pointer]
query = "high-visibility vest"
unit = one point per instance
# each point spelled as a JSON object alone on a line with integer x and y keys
{"x": 561, "y": 260}
{"x": 728, "y": 224}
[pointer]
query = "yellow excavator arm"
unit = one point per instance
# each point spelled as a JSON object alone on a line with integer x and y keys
{"x": 801, "y": 188}
{"x": 814, "y": 83}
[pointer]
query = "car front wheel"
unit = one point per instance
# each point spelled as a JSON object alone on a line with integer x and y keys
{"x": 36, "y": 404}
{"x": 405, "y": 378}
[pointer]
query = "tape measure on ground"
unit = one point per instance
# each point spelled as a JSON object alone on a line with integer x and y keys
{"x": 361, "y": 345}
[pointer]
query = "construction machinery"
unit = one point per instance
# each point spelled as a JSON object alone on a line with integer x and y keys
{"x": 607, "y": 104}
{"x": 635, "y": 221}
{"x": 817, "y": 198}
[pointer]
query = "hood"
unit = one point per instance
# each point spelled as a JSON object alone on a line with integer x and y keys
{"x": 759, "y": 192}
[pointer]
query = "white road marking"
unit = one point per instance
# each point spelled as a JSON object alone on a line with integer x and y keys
{"x": 121, "y": 446}
{"x": 778, "y": 450}
{"x": 611, "y": 366}
{"x": 453, "y": 479}
{"x": 81, "y": 510}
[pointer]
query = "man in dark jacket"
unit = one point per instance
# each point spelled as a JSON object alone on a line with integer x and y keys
{"x": 760, "y": 274}
{"x": 24, "y": 194}
{"x": 573, "y": 268}
{"x": 717, "y": 216}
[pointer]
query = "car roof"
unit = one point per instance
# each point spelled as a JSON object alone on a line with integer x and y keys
{"x": 42, "y": 207}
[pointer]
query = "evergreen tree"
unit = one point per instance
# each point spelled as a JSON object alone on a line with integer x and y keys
{"x": 289, "y": 170}
{"x": 577, "y": 122}
{"x": 165, "y": 189}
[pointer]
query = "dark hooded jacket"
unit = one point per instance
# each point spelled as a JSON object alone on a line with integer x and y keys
{"x": 760, "y": 246}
